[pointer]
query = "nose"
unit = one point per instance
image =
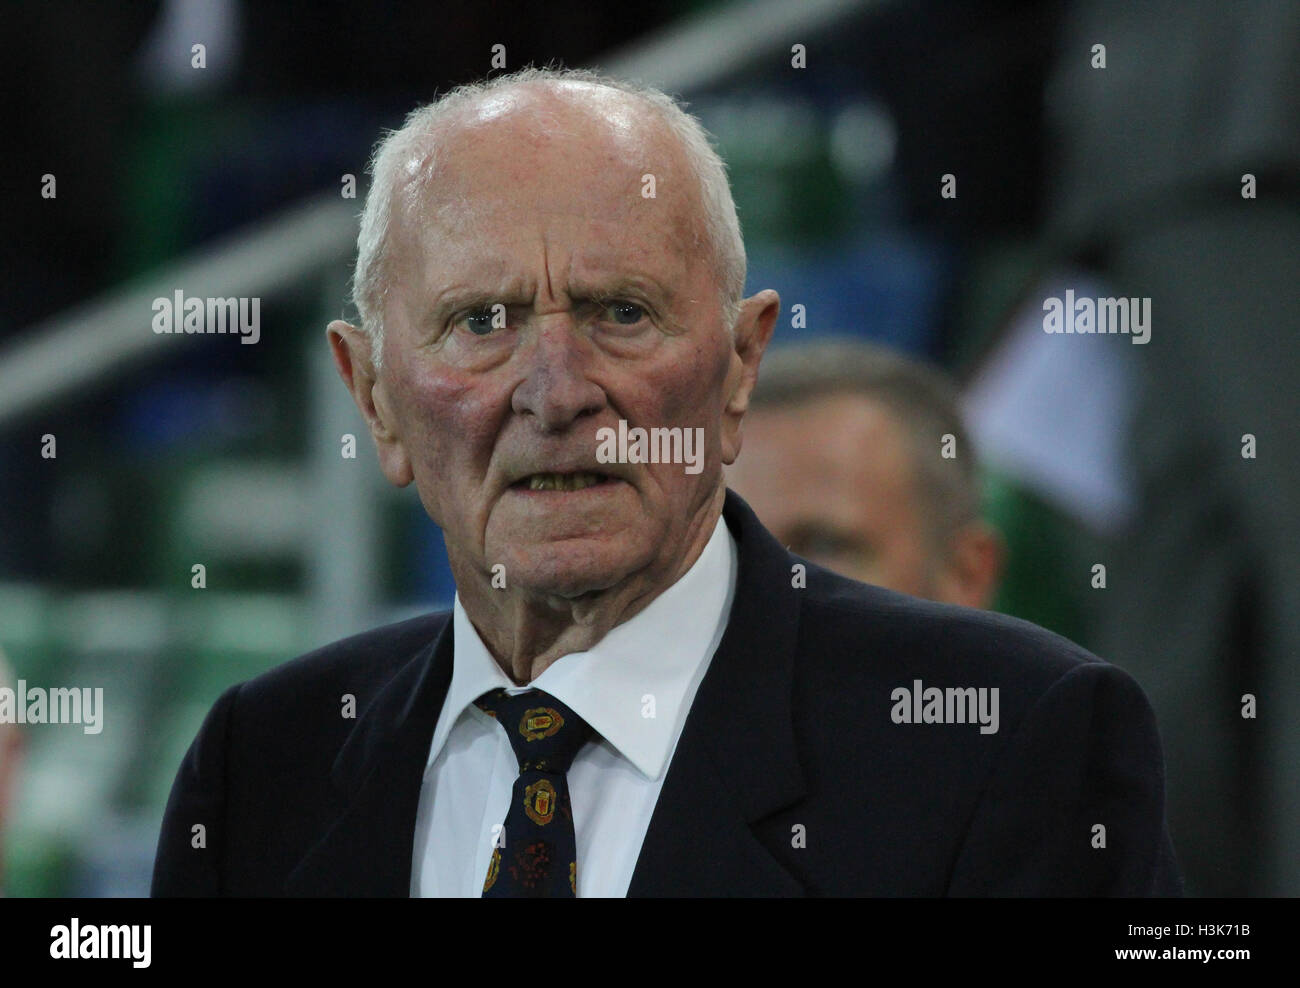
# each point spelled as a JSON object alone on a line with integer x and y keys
{"x": 556, "y": 389}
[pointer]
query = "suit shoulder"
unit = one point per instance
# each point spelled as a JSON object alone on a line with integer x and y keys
{"x": 359, "y": 662}
{"x": 903, "y": 633}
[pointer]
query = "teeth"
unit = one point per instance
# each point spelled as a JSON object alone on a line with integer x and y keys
{"x": 562, "y": 481}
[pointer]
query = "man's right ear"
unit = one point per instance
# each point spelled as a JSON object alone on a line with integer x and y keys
{"x": 351, "y": 350}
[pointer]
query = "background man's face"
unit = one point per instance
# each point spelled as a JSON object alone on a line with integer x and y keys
{"x": 610, "y": 314}
{"x": 835, "y": 480}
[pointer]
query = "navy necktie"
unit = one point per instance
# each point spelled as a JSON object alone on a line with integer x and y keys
{"x": 539, "y": 856}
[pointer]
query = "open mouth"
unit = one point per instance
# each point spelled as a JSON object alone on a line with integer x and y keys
{"x": 561, "y": 481}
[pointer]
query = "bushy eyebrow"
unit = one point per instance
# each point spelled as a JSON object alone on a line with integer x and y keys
{"x": 618, "y": 286}
{"x": 465, "y": 299}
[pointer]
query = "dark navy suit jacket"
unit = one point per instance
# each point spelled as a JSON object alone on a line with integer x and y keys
{"x": 791, "y": 777}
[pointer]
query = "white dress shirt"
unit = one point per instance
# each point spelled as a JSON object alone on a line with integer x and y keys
{"x": 635, "y": 688}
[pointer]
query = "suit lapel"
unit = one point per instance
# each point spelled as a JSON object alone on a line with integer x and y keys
{"x": 379, "y": 771}
{"x": 736, "y": 760}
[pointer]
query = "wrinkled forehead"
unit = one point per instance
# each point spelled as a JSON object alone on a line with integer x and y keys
{"x": 589, "y": 166}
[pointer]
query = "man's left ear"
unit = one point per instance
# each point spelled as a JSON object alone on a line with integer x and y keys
{"x": 973, "y": 569}
{"x": 750, "y": 336}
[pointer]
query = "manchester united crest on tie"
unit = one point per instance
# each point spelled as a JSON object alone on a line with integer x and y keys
{"x": 539, "y": 802}
{"x": 539, "y": 723}
{"x": 540, "y": 855}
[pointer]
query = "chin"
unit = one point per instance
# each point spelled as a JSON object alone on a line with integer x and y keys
{"x": 573, "y": 567}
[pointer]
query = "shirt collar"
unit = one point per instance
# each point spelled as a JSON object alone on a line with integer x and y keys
{"x": 634, "y": 687}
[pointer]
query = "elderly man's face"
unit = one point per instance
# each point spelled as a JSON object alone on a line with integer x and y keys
{"x": 609, "y": 313}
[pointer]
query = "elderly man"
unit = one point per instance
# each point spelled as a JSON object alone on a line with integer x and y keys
{"x": 638, "y": 691}
{"x": 857, "y": 459}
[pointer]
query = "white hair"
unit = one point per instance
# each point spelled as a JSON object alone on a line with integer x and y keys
{"x": 401, "y": 154}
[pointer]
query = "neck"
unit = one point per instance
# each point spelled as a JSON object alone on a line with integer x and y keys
{"x": 527, "y": 630}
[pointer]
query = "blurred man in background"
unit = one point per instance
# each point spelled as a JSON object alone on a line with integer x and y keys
{"x": 856, "y": 458}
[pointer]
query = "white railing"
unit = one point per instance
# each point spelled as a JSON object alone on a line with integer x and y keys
{"x": 311, "y": 244}
{"x": 61, "y": 357}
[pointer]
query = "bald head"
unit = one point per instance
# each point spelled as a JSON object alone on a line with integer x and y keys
{"x": 507, "y": 165}
{"x": 453, "y": 161}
